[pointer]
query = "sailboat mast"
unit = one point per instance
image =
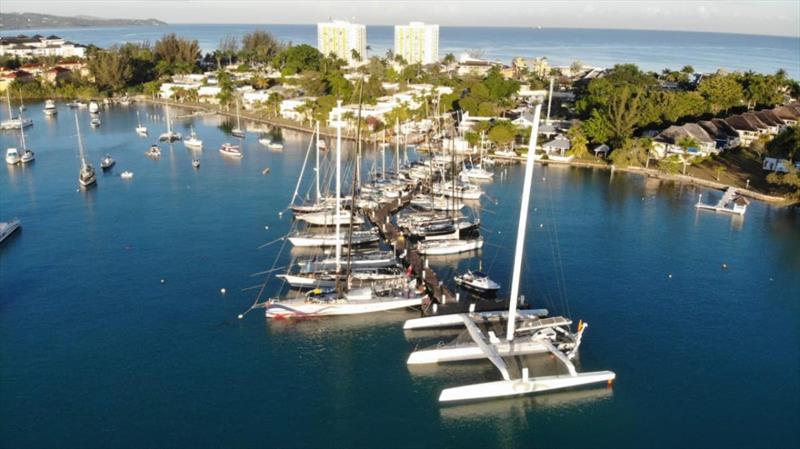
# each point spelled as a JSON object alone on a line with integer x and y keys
{"x": 8, "y": 100}
{"x": 80, "y": 141}
{"x": 338, "y": 183}
{"x": 169, "y": 126}
{"x": 317, "y": 169}
{"x": 523, "y": 222}
{"x": 383, "y": 155}
{"x": 238, "y": 119}
{"x": 357, "y": 176}
{"x": 397, "y": 147}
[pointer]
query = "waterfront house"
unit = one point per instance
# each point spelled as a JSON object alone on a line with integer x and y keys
{"x": 293, "y": 108}
{"x": 746, "y": 130}
{"x": 168, "y": 90}
{"x": 668, "y": 141}
{"x": 787, "y": 114}
{"x": 16, "y": 75}
{"x": 774, "y": 124}
{"x": 557, "y": 147}
{"x": 56, "y": 74}
{"x": 724, "y": 136}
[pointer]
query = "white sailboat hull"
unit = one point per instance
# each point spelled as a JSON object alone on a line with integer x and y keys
{"x": 329, "y": 219}
{"x": 451, "y": 320}
{"x": 455, "y": 248}
{"x": 515, "y": 387}
{"x": 472, "y": 351}
{"x": 299, "y": 308}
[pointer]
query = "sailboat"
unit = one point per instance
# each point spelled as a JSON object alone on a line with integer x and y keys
{"x": 193, "y": 142}
{"x": 87, "y": 175}
{"x": 13, "y": 122}
{"x": 238, "y": 131}
{"x": 527, "y": 332}
{"x": 27, "y": 154}
{"x": 140, "y": 129}
{"x": 170, "y": 135}
{"x": 351, "y": 301}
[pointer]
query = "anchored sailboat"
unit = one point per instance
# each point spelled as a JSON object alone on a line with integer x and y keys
{"x": 87, "y": 175}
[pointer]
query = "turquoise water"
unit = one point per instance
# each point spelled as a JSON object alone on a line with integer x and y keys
{"x": 651, "y": 50}
{"x": 96, "y": 352}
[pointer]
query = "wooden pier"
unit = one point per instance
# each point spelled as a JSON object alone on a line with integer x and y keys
{"x": 441, "y": 300}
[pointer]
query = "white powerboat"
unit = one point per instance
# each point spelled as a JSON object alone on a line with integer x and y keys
{"x": 126, "y": 174}
{"x": 107, "y": 162}
{"x": 12, "y": 156}
{"x": 50, "y": 108}
{"x": 95, "y": 123}
{"x": 264, "y": 141}
{"x": 275, "y": 146}
{"x": 231, "y": 150}
{"x": 196, "y": 163}
{"x": 154, "y": 151}
{"x": 94, "y": 107}
{"x": 477, "y": 281}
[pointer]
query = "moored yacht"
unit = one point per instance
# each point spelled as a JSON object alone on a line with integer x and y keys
{"x": 50, "y": 108}
{"x": 95, "y": 123}
{"x": 196, "y": 163}
{"x": 8, "y": 227}
{"x": 228, "y": 149}
{"x": 154, "y": 151}
{"x": 28, "y": 156}
{"x": 94, "y": 107}
{"x": 140, "y": 129}
{"x": 193, "y": 142}
{"x": 12, "y": 156}
{"x": 107, "y": 162}
{"x": 477, "y": 281}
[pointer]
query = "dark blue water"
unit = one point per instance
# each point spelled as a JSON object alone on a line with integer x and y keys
{"x": 651, "y": 50}
{"x": 96, "y": 352}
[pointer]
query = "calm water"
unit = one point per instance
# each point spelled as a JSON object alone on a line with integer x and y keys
{"x": 652, "y": 50}
{"x": 96, "y": 352}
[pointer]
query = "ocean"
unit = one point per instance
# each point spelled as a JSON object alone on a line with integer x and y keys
{"x": 97, "y": 352}
{"x": 651, "y": 50}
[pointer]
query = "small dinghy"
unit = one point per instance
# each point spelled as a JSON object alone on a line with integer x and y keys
{"x": 196, "y": 163}
{"x": 154, "y": 152}
{"x": 107, "y": 162}
{"x": 126, "y": 174}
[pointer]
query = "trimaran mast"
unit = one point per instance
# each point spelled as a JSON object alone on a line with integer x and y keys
{"x": 523, "y": 222}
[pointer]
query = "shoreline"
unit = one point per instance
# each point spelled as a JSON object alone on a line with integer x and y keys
{"x": 648, "y": 172}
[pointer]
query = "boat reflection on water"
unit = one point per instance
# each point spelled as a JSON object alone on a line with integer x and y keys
{"x": 338, "y": 324}
{"x": 511, "y": 408}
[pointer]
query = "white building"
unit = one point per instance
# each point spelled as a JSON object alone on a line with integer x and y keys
{"x": 23, "y": 46}
{"x": 341, "y": 38}
{"x": 417, "y": 42}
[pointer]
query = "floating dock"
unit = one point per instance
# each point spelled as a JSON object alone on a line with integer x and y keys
{"x": 731, "y": 203}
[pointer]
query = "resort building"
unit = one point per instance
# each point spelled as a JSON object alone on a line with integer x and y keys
{"x": 340, "y": 38}
{"x": 535, "y": 66}
{"x": 417, "y": 42}
{"x": 23, "y": 46}
{"x": 671, "y": 139}
{"x": 468, "y": 65}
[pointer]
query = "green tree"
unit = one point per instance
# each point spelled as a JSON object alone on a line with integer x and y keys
{"x": 174, "y": 54}
{"x": 616, "y": 121}
{"x": 260, "y": 47}
{"x": 111, "y": 68}
{"x": 790, "y": 181}
{"x": 721, "y": 92}
{"x": 297, "y": 59}
{"x": 227, "y": 49}
{"x": 578, "y": 142}
{"x": 502, "y": 133}
{"x": 786, "y": 144}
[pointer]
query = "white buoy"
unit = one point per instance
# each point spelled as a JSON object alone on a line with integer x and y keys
{"x": 223, "y": 291}
{"x": 241, "y": 316}
{"x": 266, "y": 227}
{"x": 163, "y": 281}
{"x": 670, "y": 275}
{"x": 724, "y": 266}
{"x": 541, "y": 225}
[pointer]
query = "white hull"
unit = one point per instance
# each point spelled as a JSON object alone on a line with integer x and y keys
{"x": 452, "y": 247}
{"x": 452, "y": 320}
{"x": 472, "y": 351}
{"x": 16, "y": 123}
{"x": 194, "y": 144}
{"x": 515, "y": 387}
{"x": 299, "y": 308}
{"x": 330, "y": 219}
{"x": 309, "y": 241}
{"x": 8, "y": 228}
{"x": 141, "y": 130}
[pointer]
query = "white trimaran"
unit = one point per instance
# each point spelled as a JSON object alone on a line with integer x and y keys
{"x": 526, "y": 332}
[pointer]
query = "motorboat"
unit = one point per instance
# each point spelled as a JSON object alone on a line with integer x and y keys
{"x": 193, "y": 142}
{"x": 477, "y": 281}
{"x": 95, "y": 123}
{"x": 196, "y": 163}
{"x": 264, "y": 141}
{"x": 27, "y": 156}
{"x": 12, "y": 156}
{"x": 275, "y": 146}
{"x": 228, "y": 149}
{"x": 126, "y": 174}
{"x": 8, "y": 227}
{"x": 154, "y": 151}
{"x": 50, "y": 108}
{"x": 107, "y": 162}
{"x": 94, "y": 107}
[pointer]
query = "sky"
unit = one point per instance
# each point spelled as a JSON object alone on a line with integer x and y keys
{"x": 770, "y": 17}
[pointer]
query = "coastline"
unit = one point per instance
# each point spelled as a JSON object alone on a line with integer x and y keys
{"x": 648, "y": 172}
